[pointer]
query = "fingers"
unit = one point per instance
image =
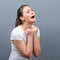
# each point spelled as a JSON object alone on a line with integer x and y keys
{"x": 31, "y": 31}
{"x": 28, "y": 31}
{"x": 35, "y": 30}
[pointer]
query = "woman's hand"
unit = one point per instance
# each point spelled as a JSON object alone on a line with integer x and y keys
{"x": 33, "y": 31}
{"x": 28, "y": 31}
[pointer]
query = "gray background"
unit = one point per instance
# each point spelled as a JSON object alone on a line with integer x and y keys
{"x": 48, "y": 20}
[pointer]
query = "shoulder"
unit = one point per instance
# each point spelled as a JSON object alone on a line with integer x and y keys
{"x": 16, "y": 33}
{"x": 16, "y": 30}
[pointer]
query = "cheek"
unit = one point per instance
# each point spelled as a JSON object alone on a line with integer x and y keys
{"x": 27, "y": 17}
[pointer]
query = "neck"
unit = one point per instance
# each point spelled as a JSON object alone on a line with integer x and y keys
{"x": 25, "y": 26}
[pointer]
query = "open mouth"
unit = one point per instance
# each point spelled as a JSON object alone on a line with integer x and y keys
{"x": 33, "y": 17}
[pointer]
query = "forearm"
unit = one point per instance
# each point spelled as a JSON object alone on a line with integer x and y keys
{"x": 25, "y": 49}
{"x": 29, "y": 48}
{"x": 37, "y": 47}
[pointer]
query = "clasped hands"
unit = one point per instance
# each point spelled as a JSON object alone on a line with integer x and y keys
{"x": 31, "y": 31}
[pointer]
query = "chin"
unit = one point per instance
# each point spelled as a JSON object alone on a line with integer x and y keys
{"x": 32, "y": 21}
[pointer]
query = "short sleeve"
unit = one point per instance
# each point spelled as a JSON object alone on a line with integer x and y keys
{"x": 15, "y": 36}
{"x": 38, "y": 33}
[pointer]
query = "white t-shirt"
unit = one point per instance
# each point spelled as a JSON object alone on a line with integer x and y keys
{"x": 18, "y": 34}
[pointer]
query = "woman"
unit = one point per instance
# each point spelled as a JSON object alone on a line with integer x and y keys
{"x": 25, "y": 36}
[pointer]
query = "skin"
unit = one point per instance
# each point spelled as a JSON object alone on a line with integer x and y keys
{"x": 33, "y": 41}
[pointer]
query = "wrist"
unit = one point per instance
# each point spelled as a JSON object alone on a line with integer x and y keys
{"x": 30, "y": 35}
{"x": 35, "y": 35}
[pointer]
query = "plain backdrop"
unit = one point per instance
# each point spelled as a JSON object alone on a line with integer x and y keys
{"x": 48, "y": 20}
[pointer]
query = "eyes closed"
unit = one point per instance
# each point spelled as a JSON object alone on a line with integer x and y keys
{"x": 28, "y": 11}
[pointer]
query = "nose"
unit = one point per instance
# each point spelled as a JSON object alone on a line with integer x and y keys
{"x": 32, "y": 12}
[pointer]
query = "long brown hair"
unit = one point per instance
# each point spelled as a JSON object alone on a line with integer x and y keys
{"x": 19, "y": 14}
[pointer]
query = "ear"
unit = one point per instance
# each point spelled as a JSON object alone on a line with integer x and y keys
{"x": 22, "y": 18}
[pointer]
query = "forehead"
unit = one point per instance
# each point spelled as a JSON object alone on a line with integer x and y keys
{"x": 26, "y": 8}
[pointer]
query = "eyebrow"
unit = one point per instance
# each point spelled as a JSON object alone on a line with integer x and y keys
{"x": 29, "y": 10}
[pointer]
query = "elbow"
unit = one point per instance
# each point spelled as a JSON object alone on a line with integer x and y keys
{"x": 28, "y": 55}
{"x": 37, "y": 52}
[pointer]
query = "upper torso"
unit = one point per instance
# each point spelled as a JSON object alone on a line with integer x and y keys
{"x": 15, "y": 54}
{"x": 17, "y": 34}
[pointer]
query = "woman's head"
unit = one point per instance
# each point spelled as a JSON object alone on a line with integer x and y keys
{"x": 25, "y": 14}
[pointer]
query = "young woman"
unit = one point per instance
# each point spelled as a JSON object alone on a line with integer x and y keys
{"x": 25, "y": 37}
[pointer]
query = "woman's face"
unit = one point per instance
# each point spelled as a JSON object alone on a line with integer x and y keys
{"x": 29, "y": 15}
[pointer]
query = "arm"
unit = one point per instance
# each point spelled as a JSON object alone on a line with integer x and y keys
{"x": 37, "y": 47}
{"x": 36, "y": 42}
{"x": 25, "y": 49}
